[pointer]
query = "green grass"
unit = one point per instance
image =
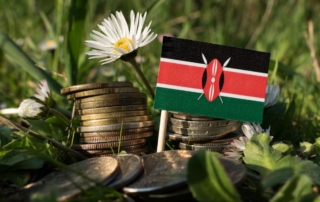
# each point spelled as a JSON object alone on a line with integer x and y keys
{"x": 278, "y": 27}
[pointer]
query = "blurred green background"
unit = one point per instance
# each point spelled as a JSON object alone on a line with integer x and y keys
{"x": 52, "y": 34}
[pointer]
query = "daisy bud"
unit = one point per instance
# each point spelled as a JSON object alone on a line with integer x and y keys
{"x": 32, "y": 108}
{"x": 44, "y": 93}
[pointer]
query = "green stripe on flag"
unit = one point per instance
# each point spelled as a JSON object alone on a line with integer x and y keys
{"x": 232, "y": 108}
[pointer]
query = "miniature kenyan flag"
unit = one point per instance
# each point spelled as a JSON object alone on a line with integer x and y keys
{"x": 212, "y": 80}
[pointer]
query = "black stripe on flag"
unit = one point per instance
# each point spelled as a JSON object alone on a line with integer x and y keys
{"x": 191, "y": 51}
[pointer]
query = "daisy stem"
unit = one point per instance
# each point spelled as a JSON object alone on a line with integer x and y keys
{"x": 135, "y": 65}
{"x": 60, "y": 115}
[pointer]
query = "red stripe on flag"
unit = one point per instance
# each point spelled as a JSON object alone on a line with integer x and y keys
{"x": 244, "y": 84}
{"x": 191, "y": 77}
{"x": 180, "y": 75}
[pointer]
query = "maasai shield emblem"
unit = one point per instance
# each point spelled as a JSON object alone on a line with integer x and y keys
{"x": 190, "y": 69}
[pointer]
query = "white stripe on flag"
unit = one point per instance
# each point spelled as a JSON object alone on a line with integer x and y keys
{"x": 241, "y": 71}
{"x": 183, "y": 62}
{"x": 243, "y": 97}
{"x": 196, "y": 90}
{"x": 228, "y": 69}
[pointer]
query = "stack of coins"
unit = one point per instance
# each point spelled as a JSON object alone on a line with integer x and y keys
{"x": 202, "y": 133}
{"x": 113, "y": 117}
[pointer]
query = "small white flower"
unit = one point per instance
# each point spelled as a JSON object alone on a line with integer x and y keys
{"x": 272, "y": 95}
{"x": 233, "y": 154}
{"x": 32, "y": 109}
{"x": 251, "y": 129}
{"x": 117, "y": 39}
{"x": 43, "y": 91}
{"x": 241, "y": 143}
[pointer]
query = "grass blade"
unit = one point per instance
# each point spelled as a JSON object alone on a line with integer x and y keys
{"x": 26, "y": 63}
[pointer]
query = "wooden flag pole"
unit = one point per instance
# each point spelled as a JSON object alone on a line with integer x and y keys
{"x": 162, "y": 130}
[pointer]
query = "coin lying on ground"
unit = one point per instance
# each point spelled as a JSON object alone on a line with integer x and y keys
{"x": 90, "y": 86}
{"x": 163, "y": 171}
{"x": 131, "y": 166}
{"x": 67, "y": 183}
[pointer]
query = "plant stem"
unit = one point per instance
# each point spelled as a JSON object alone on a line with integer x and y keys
{"x": 135, "y": 65}
{"x": 41, "y": 137}
{"x": 60, "y": 115}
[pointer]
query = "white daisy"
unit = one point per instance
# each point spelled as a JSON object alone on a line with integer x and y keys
{"x": 251, "y": 129}
{"x": 44, "y": 93}
{"x": 272, "y": 95}
{"x": 239, "y": 145}
{"x": 32, "y": 109}
{"x": 117, "y": 40}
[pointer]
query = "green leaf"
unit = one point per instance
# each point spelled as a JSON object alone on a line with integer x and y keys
{"x": 5, "y": 137}
{"x": 20, "y": 159}
{"x": 51, "y": 128}
{"x": 278, "y": 176}
{"x": 77, "y": 16}
{"x": 315, "y": 149}
{"x": 294, "y": 190}
{"x": 305, "y": 147}
{"x": 207, "y": 179}
{"x": 300, "y": 166}
{"x": 282, "y": 147}
{"x": 259, "y": 156}
{"x": 26, "y": 63}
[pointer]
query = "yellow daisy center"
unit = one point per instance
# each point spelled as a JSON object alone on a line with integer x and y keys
{"x": 123, "y": 43}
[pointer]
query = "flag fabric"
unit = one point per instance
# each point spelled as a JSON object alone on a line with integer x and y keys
{"x": 212, "y": 80}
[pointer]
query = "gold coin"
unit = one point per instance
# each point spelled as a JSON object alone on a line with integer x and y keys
{"x": 192, "y": 117}
{"x": 102, "y": 138}
{"x": 111, "y": 150}
{"x": 112, "y": 96}
{"x": 116, "y": 120}
{"x": 107, "y": 145}
{"x": 200, "y": 124}
{"x": 117, "y": 133}
{"x": 204, "y": 130}
{"x": 101, "y": 91}
{"x": 108, "y": 103}
{"x": 129, "y": 151}
{"x": 115, "y": 127}
{"x": 90, "y": 86}
{"x": 113, "y": 115}
{"x": 101, "y": 110}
